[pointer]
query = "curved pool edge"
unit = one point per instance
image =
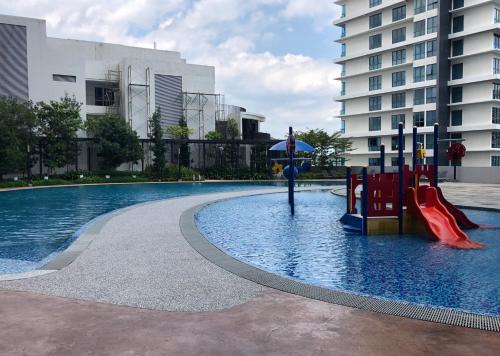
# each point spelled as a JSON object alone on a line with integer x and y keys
{"x": 220, "y": 258}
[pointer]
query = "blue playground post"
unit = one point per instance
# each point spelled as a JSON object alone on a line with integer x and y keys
{"x": 348, "y": 189}
{"x": 364, "y": 202}
{"x": 436, "y": 153}
{"x": 382, "y": 159}
{"x": 401, "y": 177}
{"x": 291, "y": 151}
{"x": 414, "y": 149}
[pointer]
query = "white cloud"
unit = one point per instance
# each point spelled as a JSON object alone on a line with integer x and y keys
{"x": 290, "y": 89}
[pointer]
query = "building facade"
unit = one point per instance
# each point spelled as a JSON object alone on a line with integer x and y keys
{"x": 420, "y": 62}
{"x": 110, "y": 78}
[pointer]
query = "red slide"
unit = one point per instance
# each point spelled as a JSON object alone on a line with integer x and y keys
{"x": 437, "y": 220}
{"x": 462, "y": 220}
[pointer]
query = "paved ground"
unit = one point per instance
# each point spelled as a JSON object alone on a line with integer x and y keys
{"x": 465, "y": 194}
{"x": 140, "y": 259}
{"x": 273, "y": 324}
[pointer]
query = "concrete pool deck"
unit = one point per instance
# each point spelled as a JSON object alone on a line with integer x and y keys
{"x": 139, "y": 258}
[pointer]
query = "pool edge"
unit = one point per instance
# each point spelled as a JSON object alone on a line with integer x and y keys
{"x": 218, "y": 257}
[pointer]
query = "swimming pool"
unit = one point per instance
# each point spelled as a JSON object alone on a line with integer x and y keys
{"x": 37, "y": 224}
{"x": 314, "y": 248}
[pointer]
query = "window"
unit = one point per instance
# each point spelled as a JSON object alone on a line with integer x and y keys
{"x": 394, "y": 161}
{"x": 457, "y": 48}
{"x": 399, "y": 35}
{"x": 430, "y": 95}
{"x": 431, "y": 48}
{"x": 496, "y": 65}
{"x": 374, "y": 123}
{"x": 398, "y": 79}
{"x": 342, "y": 11}
{"x": 342, "y": 126}
{"x": 375, "y": 41}
{"x": 342, "y": 31}
{"x": 399, "y": 13}
{"x": 419, "y": 28}
{"x": 342, "y": 108}
{"x": 375, "y": 83}
{"x": 396, "y": 119}
{"x": 495, "y": 161}
{"x": 399, "y": 57}
{"x": 431, "y": 72}
{"x": 495, "y": 139}
{"x": 419, "y": 97}
{"x": 395, "y": 143}
{"x": 419, "y": 6}
{"x": 496, "y": 91}
{"x": 375, "y": 20}
{"x": 497, "y": 16}
{"x": 375, "y": 103}
{"x": 432, "y": 4}
{"x": 419, "y": 74}
{"x": 375, "y": 2}
{"x": 375, "y": 62}
{"x": 418, "y": 119}
{"x": 458, "y": 4}
{"x": 456, "y": 118}
{"x": 342, "y": 50}
{"x": 432, "y": 24}
{"x": 374, "y": 161}
{"x": 496, "y": 42}
{"x": 419, "y": 50}
{"x": 373, "y": 143}
{"x": 457, "y": 71}
{"x": 342, "y": 88}
{"x": 456, "y": 135}
{"x": 64, "y": 78}
{"x": 103, "y": 96}
{"x": 342, "y": 69}
{"x": 456, "y": 94}
{"x": 398, "y": 100}
{"x": 495, "y": 116}
{"x": 429, "y": 141}
{"x": 430, "y": 118}
{"x": 458, "y": 24}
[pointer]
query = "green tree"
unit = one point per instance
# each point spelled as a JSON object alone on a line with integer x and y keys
{"x": 329, "y": 148}
{"x": 58, "y": 123}
{"x": 17, "y": 124}
{"x": 181, "y": 132}
{"x": 232, "y": 129}
{"x": 117, "y": 142}
{"x": 214, "y": 135}
{"x": 159, "y": 148}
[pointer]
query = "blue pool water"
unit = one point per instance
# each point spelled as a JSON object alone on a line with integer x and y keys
{"x": 313, "y": 247}
{"x": 37, "y": 224}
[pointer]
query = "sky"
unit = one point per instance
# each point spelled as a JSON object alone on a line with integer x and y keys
{"x": 273, "y": 57}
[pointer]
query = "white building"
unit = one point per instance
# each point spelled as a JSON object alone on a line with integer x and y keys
{"x": 108, "y": 78}
{"x": 420, "y": 62}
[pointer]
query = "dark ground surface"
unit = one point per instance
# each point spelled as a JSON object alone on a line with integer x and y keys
{"x": 274, "y": 323}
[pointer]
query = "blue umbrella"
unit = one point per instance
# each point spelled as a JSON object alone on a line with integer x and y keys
{"x": 300, "y": 146}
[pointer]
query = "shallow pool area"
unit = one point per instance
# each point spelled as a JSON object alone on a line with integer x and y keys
{"x": 37, "y": 224}
{"x": 313, "y": 247}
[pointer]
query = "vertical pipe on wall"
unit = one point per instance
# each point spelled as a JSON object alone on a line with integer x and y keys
{"x": 401, "y": 178}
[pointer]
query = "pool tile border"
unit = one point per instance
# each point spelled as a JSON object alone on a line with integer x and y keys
{"x": 438, "y": 315}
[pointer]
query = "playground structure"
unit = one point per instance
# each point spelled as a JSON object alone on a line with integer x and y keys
{"x": 291, "y": 171}
{"x": 396, "y": 203}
